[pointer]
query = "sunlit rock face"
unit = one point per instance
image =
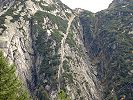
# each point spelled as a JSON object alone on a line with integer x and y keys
{"x": 4, "y": 5}
{"x": 71, "y": 53}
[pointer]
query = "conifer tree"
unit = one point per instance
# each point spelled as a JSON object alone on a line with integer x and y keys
{"x": 11, "y": 87}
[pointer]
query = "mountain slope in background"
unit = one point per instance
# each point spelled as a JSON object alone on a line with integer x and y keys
{"x": 110, "y": 46}
{"x": 65, "y": 54}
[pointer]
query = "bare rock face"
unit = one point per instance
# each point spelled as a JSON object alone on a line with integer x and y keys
{"x": 5, "y": 4}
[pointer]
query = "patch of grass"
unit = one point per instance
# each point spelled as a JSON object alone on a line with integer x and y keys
{"x": 57, "y": 36}
{"x": 66, "y": 67}
{"x": 62, "y": 95}
{"x": 70, "y": 40}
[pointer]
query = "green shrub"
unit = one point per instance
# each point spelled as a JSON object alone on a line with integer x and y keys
{"x": 15, "y": 18}
{"x": 70, "y": 40}
{"x": 56, "y": 35}
{"x": 42, "y": 94}
{"x": 66, "y": 67}
{"x": 62, "y": 95}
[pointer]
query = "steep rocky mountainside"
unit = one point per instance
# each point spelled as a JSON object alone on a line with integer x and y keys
{"x": 108, "y": 37}
{"x": 44, "y": 40}
{"x": 65, "y": 54}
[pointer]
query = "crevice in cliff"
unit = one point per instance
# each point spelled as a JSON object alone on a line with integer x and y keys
{"x": 62, "y": 49}
{"x": 90, "y": 30}
{"x": 34, "y": 55}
